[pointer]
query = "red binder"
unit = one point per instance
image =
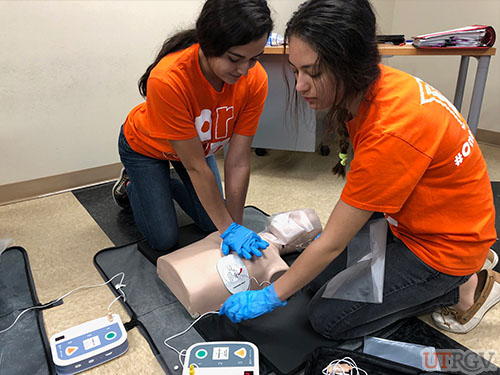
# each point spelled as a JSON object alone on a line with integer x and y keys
{"x": 475, "y": 36}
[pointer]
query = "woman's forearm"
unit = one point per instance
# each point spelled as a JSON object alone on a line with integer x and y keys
{"x": 236, "y": 187}
{"x": 210, "y": 197}
{"x": 305, "y": 268}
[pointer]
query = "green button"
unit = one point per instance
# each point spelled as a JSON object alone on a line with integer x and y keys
{"x": 110, "y": 335}
{"x": 201, "y": 353}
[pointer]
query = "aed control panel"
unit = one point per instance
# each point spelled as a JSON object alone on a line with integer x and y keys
{"x": 222, "y": 358}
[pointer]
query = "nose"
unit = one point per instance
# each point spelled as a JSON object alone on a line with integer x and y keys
{"x": 243, "y": 68}
{"x": 301, "y": 84}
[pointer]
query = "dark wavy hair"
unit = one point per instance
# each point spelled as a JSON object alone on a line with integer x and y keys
{"x": 342, "y": 32}
{"x": 221, "y": 25}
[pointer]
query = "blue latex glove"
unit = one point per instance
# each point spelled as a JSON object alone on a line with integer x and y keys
{"x": 242, "y": 240}
{"x": 250, "y": 304}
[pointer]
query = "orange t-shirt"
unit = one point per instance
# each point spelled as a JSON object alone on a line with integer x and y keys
{"x": 416, "y": 160}
{"x": 181, "y": 104}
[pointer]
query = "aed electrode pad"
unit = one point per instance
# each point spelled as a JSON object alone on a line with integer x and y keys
{"x": 222, "y": 358}
{"x": 234, "y": 273}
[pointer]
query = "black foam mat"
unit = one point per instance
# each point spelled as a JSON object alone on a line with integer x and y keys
{"x": 24, "y": 348}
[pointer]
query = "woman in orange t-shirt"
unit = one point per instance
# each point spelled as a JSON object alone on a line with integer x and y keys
{"x": 415, "y": 160}
{"x": 205, "y": 90}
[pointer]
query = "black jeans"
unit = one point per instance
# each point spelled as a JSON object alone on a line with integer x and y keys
{"x": 152, "y": 192}
{"x": 411, "y": 288}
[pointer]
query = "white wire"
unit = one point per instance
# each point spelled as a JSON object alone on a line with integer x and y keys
{"x": 257, "y": 281}
{"x": 335, "y": 367}
{"x": 117, "y": 286}
{"x": 260, "y": 284}
{"x": 183, "y": 351}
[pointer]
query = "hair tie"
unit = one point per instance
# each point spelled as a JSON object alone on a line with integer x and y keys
{"x": 343, "y": 158}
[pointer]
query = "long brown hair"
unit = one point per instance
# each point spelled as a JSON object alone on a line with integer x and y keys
{"x": 221, "y": 25}
{"x": 342, "y": 32}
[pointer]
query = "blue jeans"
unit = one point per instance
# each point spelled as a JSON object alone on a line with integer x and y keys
{"x": 411, "y": 288}
{"x": 152, "y": 191}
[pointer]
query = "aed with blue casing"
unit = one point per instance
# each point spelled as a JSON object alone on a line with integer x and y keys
{"x": 222, "y": 358}
{"x": 88, "y": 345}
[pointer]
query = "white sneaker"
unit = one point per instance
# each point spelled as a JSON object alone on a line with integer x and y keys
{"x": 451, "y": 320}
{"x": 491, "y": 260}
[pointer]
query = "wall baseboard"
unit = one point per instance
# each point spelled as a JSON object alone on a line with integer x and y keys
{"x": 20, "y": 191}
{"x": 24, "y": 190}
{"x": 488, "y": 137}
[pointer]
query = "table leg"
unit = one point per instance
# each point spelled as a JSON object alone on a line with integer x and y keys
{"x": 478, "y": 92}
{"x": 462, "y": 77}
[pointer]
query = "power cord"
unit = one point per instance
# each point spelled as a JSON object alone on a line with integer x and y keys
{"x": 58, "y": 301}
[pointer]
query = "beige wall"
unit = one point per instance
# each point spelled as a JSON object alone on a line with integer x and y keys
{"x": 69, "y": 70}
{"x": 68, "y": 77}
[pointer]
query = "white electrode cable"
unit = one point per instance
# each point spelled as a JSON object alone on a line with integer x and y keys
{"x": 117, "y": 286}
{"x": 344, "y": 366}
{"x": 183, "y": 351}
{"x": 257, "y": 281}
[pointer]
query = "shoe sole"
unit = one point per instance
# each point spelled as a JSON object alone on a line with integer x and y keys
{"x": 493, "y": 263}
{"x": 115, "y": 186}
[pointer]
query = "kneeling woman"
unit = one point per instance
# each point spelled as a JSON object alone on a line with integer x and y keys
{"x": 415, "y": 160}
{"x": 205, "y": 90}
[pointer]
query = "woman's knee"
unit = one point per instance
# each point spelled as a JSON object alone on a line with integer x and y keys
{"x": 207, "y": 226}
{"x": 328, "y": 321}
{"x": 163, "y": 241}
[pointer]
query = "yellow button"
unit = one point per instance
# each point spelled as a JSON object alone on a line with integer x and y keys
{"x": 242, "y": 353}
{"x": 70, "y": 350}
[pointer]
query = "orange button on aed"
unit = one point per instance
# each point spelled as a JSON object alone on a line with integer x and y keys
{"x": 70, "y": 350}
{"x": 242, "y": 353}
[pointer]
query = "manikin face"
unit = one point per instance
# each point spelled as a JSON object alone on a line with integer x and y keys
{"x": 237, "y": 61}
{"x": 316, "y": 87}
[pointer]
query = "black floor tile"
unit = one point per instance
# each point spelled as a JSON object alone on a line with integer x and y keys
{"x": 117, "y": 223}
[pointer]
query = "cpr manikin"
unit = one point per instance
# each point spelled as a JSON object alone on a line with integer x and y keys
{"x": 202, "y": 278}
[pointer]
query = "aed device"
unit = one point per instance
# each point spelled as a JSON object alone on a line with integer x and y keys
{"x": 222, "y": 358}
{"x": 88, "y": 345}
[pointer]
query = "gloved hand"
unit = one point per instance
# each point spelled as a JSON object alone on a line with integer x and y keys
{"x": 250, "y": 304}
{"x": 242, "y": 240}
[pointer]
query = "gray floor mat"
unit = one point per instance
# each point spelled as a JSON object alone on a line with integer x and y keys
{"x": 23, "y": 348}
